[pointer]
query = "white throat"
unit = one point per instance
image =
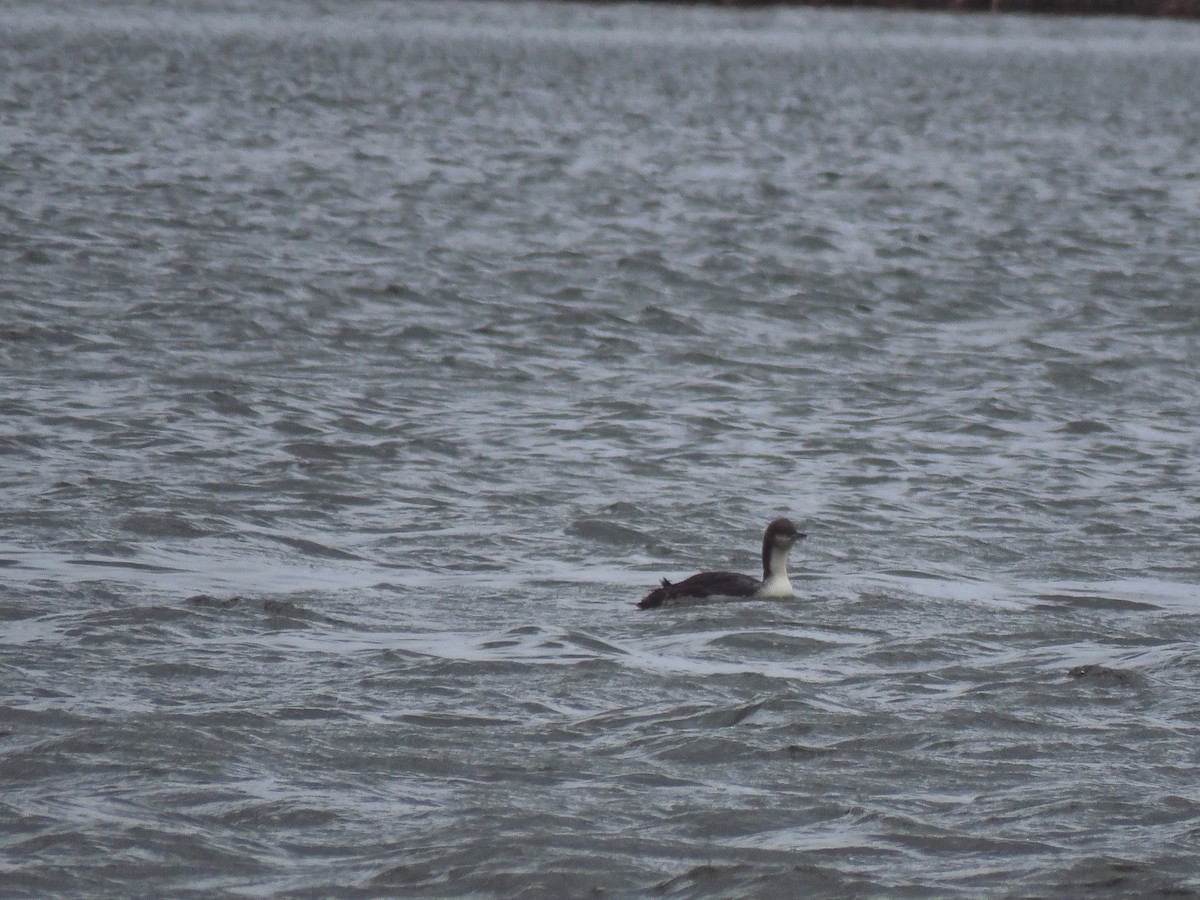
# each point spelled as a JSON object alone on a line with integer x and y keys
{"x": 777, "y": 584}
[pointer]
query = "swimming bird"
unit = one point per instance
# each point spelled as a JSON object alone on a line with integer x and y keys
{"x": 778, "y": 540}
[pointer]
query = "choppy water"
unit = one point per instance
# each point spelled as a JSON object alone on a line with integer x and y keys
{"x": 362, "y": 364}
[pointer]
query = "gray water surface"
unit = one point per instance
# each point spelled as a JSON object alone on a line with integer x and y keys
{"x": 361, "y": 365}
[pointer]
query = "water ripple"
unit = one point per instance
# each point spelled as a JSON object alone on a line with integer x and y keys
{"x": 363, "y": 365}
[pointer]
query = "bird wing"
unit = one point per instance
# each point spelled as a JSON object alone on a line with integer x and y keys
{"x": 700, "y": 587}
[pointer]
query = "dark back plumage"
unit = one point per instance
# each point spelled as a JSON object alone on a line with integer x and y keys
{"x": 698, "y": 587}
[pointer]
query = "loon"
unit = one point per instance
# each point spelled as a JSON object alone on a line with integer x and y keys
{"x": 778, "y": 540}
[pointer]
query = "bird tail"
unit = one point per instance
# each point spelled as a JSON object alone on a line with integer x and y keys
{"x": 656, "y": 597}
